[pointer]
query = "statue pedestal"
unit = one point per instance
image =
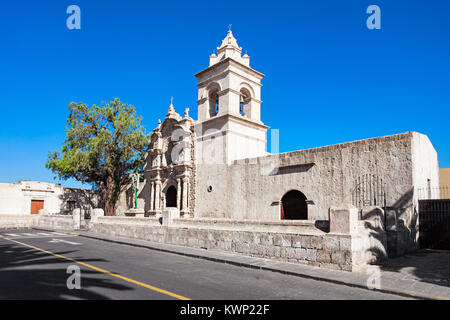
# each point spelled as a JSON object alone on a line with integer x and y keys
{"x": 135, "y": 212}
{"x": 168, "y": 215}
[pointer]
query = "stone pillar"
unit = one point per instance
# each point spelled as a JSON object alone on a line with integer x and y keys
{"x": 179, "y": 193}
{"x": 95, "y": 213}
{"x": 168, "y": 215}
{"x": 184, "y": 205}
{"x": 158, "y": 195}
{"x": 76, "y": 215}
{"x": 152, "y": 191}
{"x": 344, "y": 219}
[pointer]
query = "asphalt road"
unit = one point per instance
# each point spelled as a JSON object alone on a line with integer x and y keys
{"x": 33, "y": 265}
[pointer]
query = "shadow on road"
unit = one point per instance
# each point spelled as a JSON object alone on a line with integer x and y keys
{"x": 29, "y": 274}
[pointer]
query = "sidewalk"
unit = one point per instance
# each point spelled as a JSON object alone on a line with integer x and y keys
{"x": 424, "y": 274}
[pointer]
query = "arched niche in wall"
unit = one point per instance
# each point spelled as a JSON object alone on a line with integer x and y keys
{"x": 294, "y": 206}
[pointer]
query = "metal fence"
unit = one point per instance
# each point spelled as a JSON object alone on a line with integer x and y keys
{"x": 434, "y": 223}
{"x": 369, "y": 190}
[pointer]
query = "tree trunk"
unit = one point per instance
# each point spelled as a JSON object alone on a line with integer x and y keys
{"x": 108, "y": 198}
{"x": 109, "y": 208}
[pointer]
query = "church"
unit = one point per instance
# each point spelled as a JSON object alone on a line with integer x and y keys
{"x": 210, "y": 183}
{"x": 214, "y": 172}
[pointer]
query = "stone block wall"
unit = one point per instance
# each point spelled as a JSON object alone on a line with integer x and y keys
{"x": 335, "y": 251}
{"x": 55, "y": 222}
{"x": 285, "y": 226}
{"x": 15, "y": 221}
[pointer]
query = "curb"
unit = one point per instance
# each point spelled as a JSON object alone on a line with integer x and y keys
{"x": 409, "y": 294}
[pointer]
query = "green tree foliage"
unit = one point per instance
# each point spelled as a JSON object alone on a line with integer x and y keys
{"x": 103, "y": 145}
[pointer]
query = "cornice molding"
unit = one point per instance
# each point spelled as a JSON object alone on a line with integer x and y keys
{"x": 230, "y": 61}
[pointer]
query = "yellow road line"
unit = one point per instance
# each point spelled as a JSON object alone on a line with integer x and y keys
{"x": 70, "y": 233}
{"x": 174, "y": 295}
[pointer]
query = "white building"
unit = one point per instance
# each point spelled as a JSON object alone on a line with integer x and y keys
{"x": 28, "y": 197}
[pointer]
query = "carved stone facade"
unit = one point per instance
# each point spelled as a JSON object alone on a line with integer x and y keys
{"x": 170, "y": 165}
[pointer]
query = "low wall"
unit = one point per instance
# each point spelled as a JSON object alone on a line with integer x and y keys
{"x": 54, "y": 221}
{"x": 15, "y": 221}
{"x": 128, "y": 221}
{"x": 318, "y": 248}
{"x": 45, "y": 220}
{"x": 279, "y": 226}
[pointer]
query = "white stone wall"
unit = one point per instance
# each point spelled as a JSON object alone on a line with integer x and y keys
{"x": 55, "y": 222}
{"x": 425, "y": 162}
{"x": 250, "y": 190}
{"x": 15, "y": 221}
{"x": 229, "y": 138}
{"x": 12, "y": 200}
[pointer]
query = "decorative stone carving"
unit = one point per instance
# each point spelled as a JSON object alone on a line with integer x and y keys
{"x": 170, "y": 158}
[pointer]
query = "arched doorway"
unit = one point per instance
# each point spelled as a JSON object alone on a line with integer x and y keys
{"x": 171, "y": 197}
{"x": 293, "y": 206}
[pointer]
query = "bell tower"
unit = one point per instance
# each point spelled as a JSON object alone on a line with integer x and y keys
{"x": 229, "y": 123}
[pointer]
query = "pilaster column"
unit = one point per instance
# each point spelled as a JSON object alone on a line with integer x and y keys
{"x": 184, "y": 206}
{"x": 179, "y": 193}
{"x": 158, "y": 195}
{"x": 152, "y": 191}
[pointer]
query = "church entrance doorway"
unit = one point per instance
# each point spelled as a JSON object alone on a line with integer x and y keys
{"x": 171, "y": 197}
{"x": 293, "y": 206}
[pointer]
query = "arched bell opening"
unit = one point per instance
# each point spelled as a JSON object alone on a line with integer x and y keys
{"x": 244, "y": 102}
{"x": 213, "y": 102}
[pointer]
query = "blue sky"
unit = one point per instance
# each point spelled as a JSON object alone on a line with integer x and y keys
{"x": 329, "y": 79}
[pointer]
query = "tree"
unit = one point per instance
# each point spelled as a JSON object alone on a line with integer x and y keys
{"x": 103, "y": 145}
